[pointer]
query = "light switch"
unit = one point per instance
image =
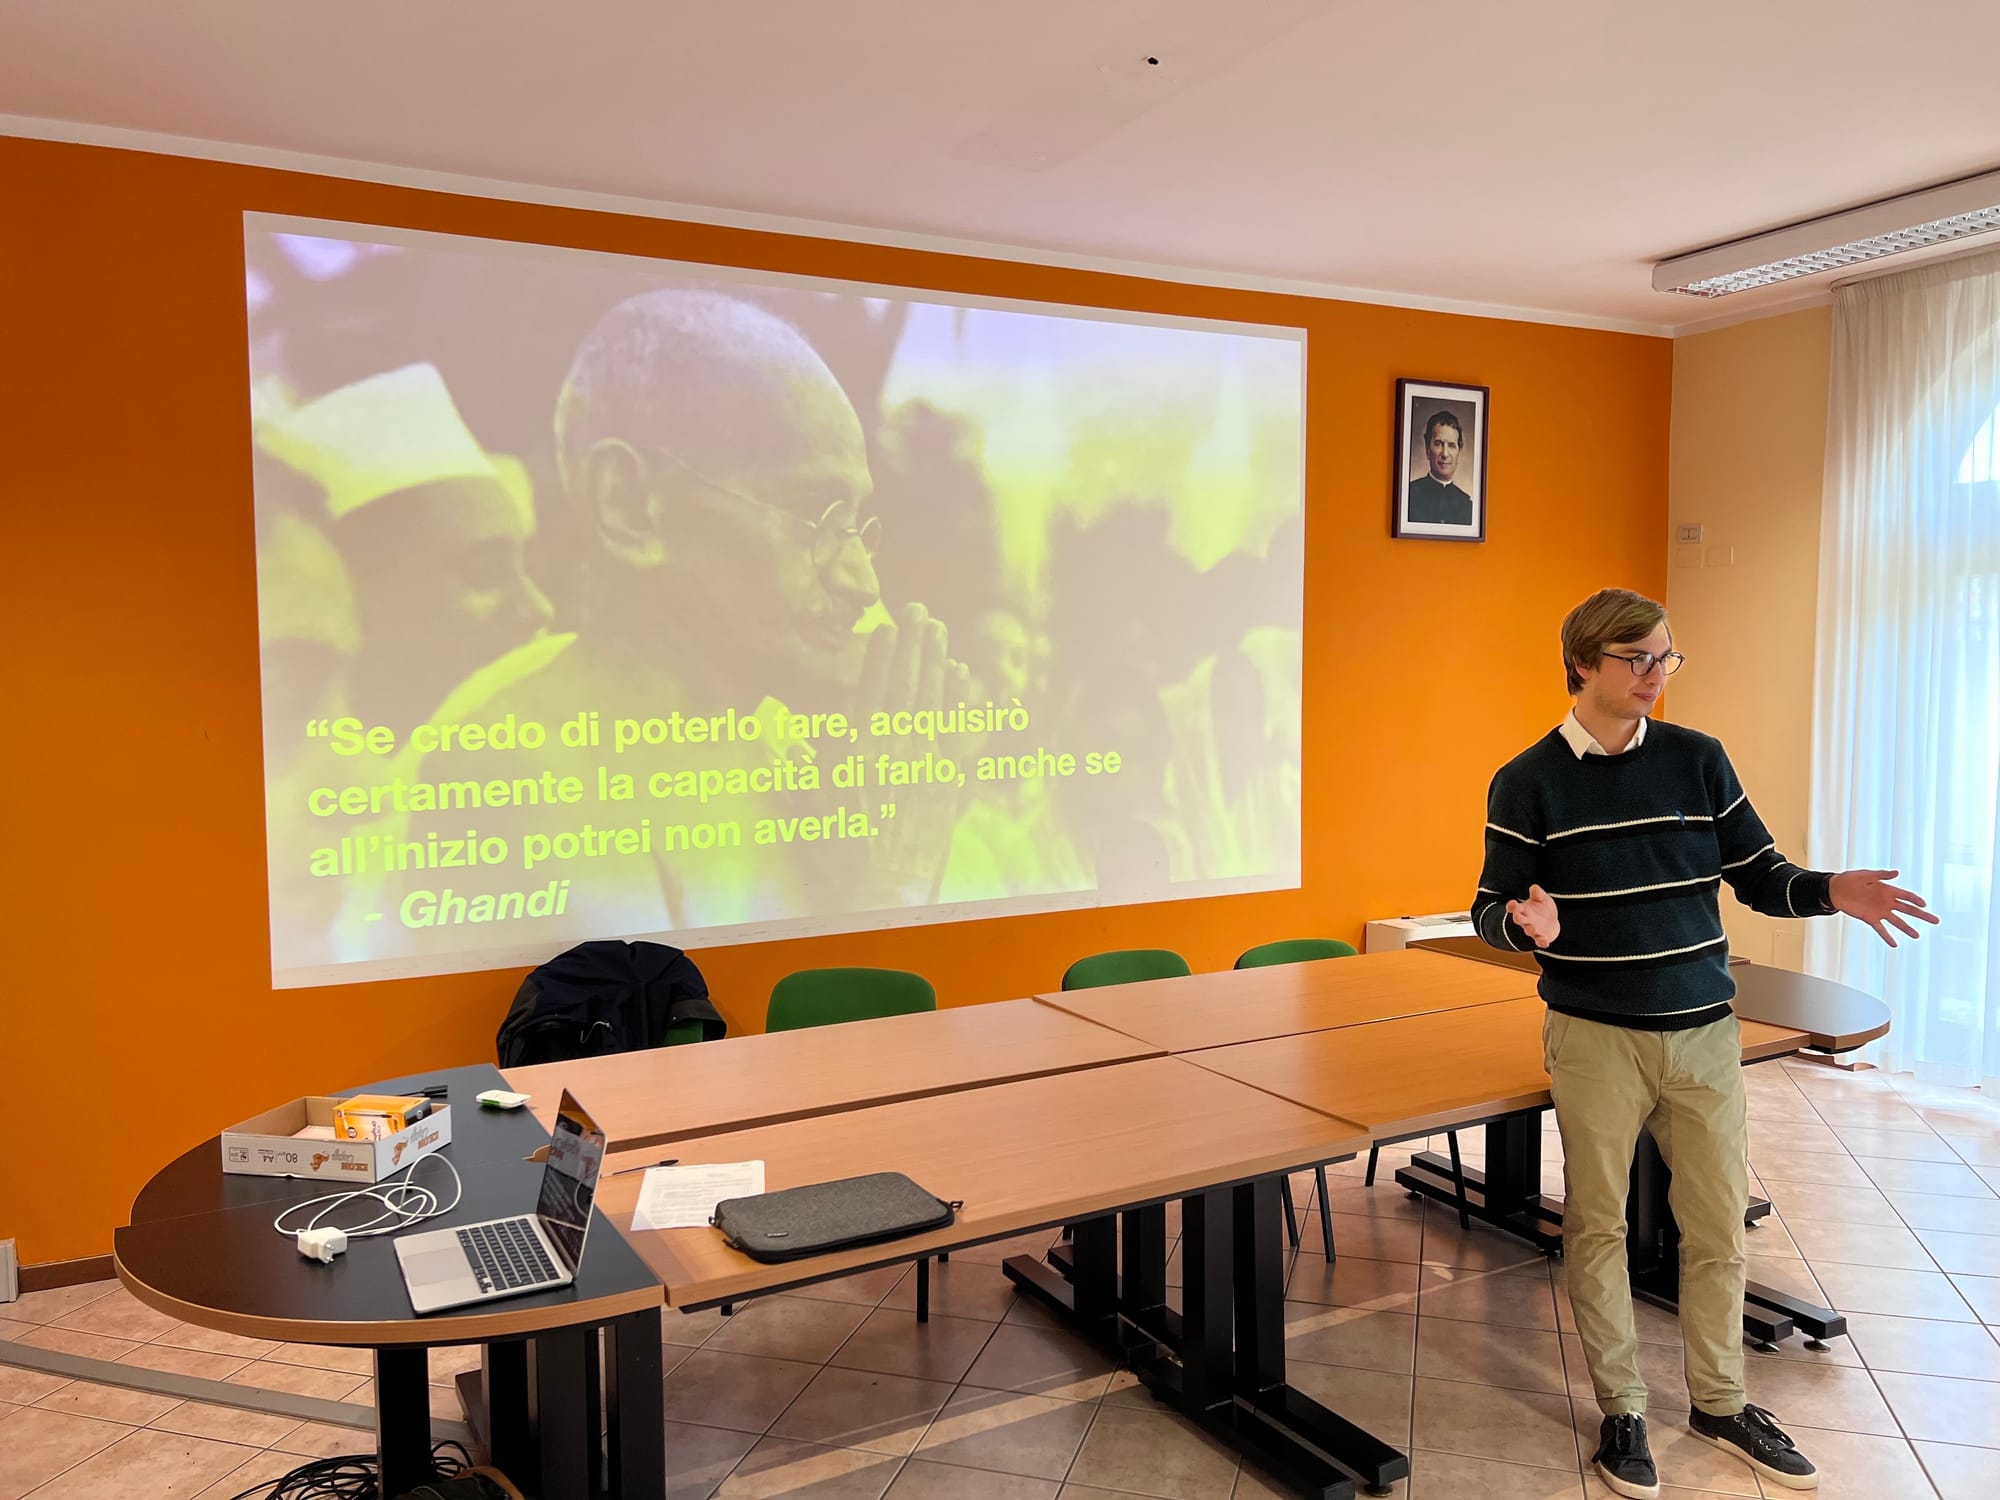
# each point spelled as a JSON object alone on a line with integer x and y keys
{"x": 1721, "y": 557}
{"x": 1691, "y": 535}
{"x": 1687, "y": 557}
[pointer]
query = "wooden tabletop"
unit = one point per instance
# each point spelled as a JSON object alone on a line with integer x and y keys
{"x": 1019, "y": 1155}
{"x": 1835, "y": 1017}
{"x": 668, "y": 1093}
{"x": 1247, "y": 1005}
{"x": 1429, "y": 1072}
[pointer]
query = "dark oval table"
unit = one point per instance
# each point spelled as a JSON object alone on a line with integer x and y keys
{"x": 1836, "y": 1016}
{"x": 201, "y": 1248}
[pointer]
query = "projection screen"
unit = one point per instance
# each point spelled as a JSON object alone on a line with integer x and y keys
{"x": 602, "y": 596}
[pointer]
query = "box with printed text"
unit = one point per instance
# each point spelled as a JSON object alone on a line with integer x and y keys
{"x": 296, "y": 1140}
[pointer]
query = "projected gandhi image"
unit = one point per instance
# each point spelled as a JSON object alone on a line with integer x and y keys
{"x": 609, "y": 597}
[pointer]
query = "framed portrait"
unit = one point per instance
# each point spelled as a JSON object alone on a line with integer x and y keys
{"x": 1439, "y": 484}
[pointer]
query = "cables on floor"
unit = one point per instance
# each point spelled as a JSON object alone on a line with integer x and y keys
{"x": 352, "y": 1476}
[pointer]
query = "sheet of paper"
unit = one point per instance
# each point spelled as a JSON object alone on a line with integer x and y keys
{"x": 684, "y": 1197}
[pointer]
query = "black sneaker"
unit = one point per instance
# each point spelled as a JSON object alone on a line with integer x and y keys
{"x": 1623, "y": 1460}
{"x": 1760, "y": 1442}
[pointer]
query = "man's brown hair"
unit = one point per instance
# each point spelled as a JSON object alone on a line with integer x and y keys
{"x": 1609, "y": 617}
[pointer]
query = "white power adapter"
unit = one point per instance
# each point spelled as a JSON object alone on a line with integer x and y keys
{"x": 322, "y": 1244}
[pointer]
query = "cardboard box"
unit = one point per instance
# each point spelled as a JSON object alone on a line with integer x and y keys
{"x": 269, "y": 1145}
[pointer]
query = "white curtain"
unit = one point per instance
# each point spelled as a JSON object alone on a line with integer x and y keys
{"x": 1906, "y": 753}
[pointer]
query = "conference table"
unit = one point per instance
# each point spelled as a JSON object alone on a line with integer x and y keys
{"x": 1092, "y": 1109}
{"x": 1416, "y": 1041}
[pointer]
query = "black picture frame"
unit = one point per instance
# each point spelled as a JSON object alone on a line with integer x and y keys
{"x": 1421, "y": 507}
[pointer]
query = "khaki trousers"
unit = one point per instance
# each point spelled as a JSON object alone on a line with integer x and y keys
{"x": 1687, "y": 1088}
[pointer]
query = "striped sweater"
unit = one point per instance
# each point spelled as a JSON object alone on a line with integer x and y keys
{"x": 1633, "y": 849}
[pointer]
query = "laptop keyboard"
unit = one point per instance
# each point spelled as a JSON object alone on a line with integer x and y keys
{"x": 506, "y": 1255}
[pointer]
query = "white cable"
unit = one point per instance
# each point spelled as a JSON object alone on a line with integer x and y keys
{"x": 405, "y": 1202}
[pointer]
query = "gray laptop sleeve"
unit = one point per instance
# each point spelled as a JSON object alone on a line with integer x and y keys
{"x": 826, "y": 1216}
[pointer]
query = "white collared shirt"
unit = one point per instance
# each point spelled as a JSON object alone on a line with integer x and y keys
{"x": 1583, "y": 742}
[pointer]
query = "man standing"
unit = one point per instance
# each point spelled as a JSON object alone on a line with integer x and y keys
{"x": 1630, "y": 826}
{"x": 1434, "y": 499}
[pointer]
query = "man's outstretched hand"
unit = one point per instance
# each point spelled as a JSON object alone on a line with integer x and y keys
{"x": 1536, "y": 916}
{"x": 1867, "y": 896}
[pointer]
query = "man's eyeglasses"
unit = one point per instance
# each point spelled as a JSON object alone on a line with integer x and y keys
{"x": 1645, "y": 661}
{"x": 826, "y": 538}
{"x": 836, "y": 525}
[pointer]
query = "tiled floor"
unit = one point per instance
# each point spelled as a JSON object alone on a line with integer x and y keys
{"x": 1459, "y": 1347}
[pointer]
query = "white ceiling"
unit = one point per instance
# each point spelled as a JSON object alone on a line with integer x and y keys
{"x": 1525, "y": 155}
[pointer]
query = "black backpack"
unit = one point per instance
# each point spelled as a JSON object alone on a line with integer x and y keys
{"x": 605, "y": 997}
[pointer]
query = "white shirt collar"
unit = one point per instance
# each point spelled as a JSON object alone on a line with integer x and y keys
{"x": 1583, "y": 742}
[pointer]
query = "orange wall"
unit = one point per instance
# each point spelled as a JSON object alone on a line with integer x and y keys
{"x": 140, "y": 989}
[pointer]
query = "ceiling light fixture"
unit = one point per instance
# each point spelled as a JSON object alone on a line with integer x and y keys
{"x": 1914, "y": 221}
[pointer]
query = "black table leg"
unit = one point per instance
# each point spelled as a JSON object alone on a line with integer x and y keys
{"x": 1283, "y": 1428}
{"x": 1229, "y": 1373}
{"x": 509, "y": 1430}
{"x": 1142, "y": 1283}
{"x": 595, "y": 1346}
{"x": 403, "y": 1417}
{"x": 634, "y": 1398}
{"x": 1259, "y": 1264}
{"x": 1093, "y": 1274}
{"x": 1208, "y": 1254}
{"x": 1143, "y": 1259}
{"x": 1508, "y": 1193}
{"x": 565, "y": 1445}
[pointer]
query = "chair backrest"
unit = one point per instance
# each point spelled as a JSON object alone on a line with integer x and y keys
{"x": 1294, "y": 951}
{"x": 825, "y": 997}
{"x": 1125, "y": 966}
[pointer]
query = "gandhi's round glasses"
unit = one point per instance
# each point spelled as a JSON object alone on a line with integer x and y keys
{"x": 1645, "y": 661}
{"x": 826, "y": 538}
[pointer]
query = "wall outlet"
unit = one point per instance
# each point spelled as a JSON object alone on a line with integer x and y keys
{"x": 10, "y": 1272}
{"x": 1690, "y": 536}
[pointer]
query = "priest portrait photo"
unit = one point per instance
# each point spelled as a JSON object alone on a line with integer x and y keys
{"x": 1440, "y": 473}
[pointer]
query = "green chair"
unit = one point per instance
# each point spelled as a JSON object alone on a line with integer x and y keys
{"x": 681, "y": 1033}
{"x": 1294, "y": 951}
{"x": 829, "y": 997}
{"x": 1124, "y": 966}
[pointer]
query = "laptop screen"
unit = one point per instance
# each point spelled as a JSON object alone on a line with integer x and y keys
{"x": 569, "y": 1180}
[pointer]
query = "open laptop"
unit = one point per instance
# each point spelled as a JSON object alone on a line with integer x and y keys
{"x": 527, "y": 1253}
